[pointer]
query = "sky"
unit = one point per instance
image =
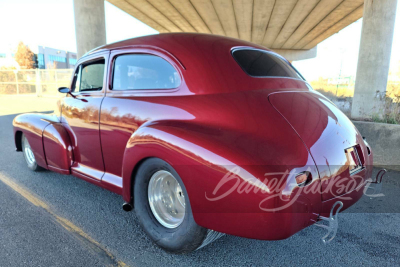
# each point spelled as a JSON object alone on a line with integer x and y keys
{"x": 51, "y": 23}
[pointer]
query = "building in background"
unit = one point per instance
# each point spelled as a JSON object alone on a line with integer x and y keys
{"x": 46, "y": 57}
{"x": 50, "y": 58}
{"x": 7, "y": 60}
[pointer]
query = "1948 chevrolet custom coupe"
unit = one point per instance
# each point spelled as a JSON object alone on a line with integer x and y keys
{"x": 201, "y": 135}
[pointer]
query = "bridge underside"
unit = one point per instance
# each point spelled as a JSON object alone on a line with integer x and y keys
{"x": 276, "y": 24}
{"x": 293, "y": 28}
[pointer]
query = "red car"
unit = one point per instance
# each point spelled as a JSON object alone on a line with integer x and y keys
{"x": 202, "y": 135}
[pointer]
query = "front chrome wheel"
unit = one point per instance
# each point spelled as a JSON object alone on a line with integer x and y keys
{"x": 166, "y": 199}
{"x": 28, "y": 153}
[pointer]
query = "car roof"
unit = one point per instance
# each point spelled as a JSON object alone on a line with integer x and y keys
{"x": 169, "y": 41}
{"x": 208, "y": 66}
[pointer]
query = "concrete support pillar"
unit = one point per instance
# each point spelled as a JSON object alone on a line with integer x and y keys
{"x": 374, "y": 58}
{"x": 90, "y": 25}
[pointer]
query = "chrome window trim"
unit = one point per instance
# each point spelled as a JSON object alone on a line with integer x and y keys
{"x": 78, "y": 67}
{"x": 267, "y": 52}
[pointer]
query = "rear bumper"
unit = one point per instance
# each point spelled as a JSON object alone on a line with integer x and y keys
{"x": 347, "y": 199}
{"x": 262, "y": 226}
{"x": 282, "y": 225}
{"x": 351, "y": 197}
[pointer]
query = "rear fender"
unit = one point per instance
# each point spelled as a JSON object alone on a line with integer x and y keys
{"x": 177, "y": 147}
{"x": 148, "y": 142}
{"x": 202, "y": 161}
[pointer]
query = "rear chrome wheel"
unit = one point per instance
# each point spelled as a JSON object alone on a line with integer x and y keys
{"x": 163, "y": 208}
{"x": 28, "y": 154}
{"x": 166, "y": 199}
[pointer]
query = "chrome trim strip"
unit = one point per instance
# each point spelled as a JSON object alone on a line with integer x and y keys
{"x": 272, "y": 53}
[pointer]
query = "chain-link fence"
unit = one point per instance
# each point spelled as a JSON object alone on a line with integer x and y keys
{"x": 36, "y": 81}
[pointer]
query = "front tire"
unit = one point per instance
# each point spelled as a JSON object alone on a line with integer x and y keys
{"x": 163, "y": 208}
{"x": 28, "y": 155}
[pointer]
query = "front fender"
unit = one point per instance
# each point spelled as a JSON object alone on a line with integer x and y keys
{"x": 48, "y": 139}
{"x": 32, "y": 126}
{"x": 58, "y": 149}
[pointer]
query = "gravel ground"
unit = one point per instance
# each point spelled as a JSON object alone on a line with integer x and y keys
{"x": 103, "y": 234}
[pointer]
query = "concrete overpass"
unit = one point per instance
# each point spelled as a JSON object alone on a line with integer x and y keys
{"x": 288, "y": 26}
{"x": 292, "y": 28}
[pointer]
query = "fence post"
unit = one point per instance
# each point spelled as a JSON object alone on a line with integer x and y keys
{"x": 38, "y": 83}
{"x": 16, "y": 80}
{"x": 55, "y": 75}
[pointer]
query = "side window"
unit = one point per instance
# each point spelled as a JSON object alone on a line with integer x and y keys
{"x": 140, "y": 71}
{"x": 258, "y": 63}
{"x": 89, "y": 77}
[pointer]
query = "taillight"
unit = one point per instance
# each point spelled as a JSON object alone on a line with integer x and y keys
{"x": 303, "y": 178}
{"x": 367, "y": 145}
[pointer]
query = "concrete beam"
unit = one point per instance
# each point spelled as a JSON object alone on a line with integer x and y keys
{"x": 244, "y": 16}
{"x": 342, "y": 11}
{"x": 172, "y": 14}
{"x": 323, "y": 8}
{"x": 226, "y": 14}
{"x": 277, "y": 24}
{"x": 262, "y": 10}
{"x": 206, "y": 10}
{"x": 302, "y": 8}
{"x": 188, "y": 11}
{"x": 280, "y": 14}
{"x": 295, "y": 55}
{"x": 374, "y": 58}
{"x": 352, "y": 17}
{"x": 149, "y": 10}
{"x": 90, "y": 25}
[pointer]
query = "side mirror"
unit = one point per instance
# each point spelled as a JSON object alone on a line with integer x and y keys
{"x": 64, "y": 90}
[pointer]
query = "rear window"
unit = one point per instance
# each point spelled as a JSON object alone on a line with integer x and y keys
{"x": 258, "y": 63}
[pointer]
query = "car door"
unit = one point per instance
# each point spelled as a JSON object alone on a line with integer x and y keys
{"x": 136, "y": 76}
{"x": 80, "y": 116}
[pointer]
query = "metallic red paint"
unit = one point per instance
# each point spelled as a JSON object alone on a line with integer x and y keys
{"x": 57, "y": 148}
{"x": 327, "y": 133}
{"x": 32, "y": 125}
{"x": 217, "y": 120}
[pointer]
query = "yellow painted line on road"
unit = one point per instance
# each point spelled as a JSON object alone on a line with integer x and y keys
{"x": 27, "y": 195}
{"x": 66, "y": 224}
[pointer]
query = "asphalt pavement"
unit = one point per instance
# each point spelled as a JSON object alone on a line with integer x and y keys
{"x": 48, "y": 219}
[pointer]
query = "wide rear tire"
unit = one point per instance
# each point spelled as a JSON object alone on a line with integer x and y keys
{"x": 167, "y": 227}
